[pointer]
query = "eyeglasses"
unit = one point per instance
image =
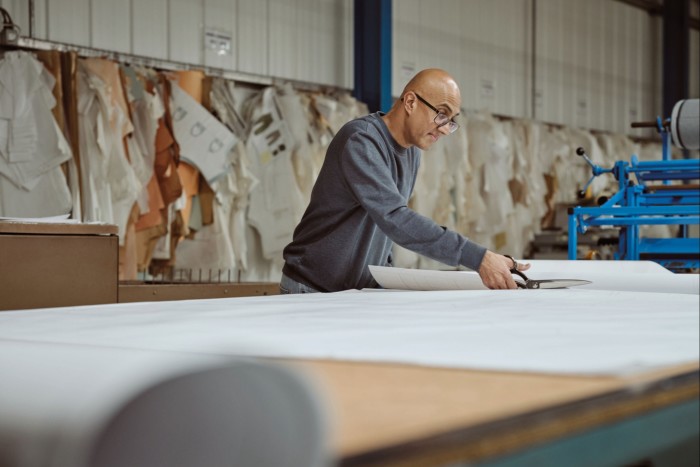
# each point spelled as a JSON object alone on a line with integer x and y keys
{"x": 440, "y": 119}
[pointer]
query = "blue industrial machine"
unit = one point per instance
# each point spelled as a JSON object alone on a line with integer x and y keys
{"x": 651, "y": 193}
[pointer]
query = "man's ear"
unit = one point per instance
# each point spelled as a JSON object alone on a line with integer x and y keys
{"x": 409, "y": 102}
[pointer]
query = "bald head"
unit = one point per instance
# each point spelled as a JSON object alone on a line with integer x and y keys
{"x": 412, "y": 118}
{"x": 434, "y": 83}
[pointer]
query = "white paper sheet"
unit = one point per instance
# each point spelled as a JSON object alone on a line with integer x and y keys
{"x": 78, "y": 406}
{"x": 204, "y": 141}
{"x": 603, "y": 275}
{"x": 569, "y": 331}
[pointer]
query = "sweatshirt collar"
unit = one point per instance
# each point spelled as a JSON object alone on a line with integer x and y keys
{"x": 387, "y": 134}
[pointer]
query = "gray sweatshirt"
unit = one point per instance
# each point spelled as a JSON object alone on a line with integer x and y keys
{"x": 358, "y": 208}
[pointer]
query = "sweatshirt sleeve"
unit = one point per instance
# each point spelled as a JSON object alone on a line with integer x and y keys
{"x": 367, "y": 171}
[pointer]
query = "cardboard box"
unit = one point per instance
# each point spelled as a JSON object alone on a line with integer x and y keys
{"x": 53, "y": 265}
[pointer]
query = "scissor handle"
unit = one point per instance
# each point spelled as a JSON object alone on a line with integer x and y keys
{"x": 523, "y": 276}
{"x": 514, "y": 270}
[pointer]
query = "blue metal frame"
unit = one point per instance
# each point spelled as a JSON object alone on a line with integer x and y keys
{"x": 635, "y": 204}
{"x": 620, "y": 443}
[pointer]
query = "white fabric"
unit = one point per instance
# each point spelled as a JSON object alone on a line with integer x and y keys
{"x": 553, "y": 331}
{"x": 497, "y": 172}
{"x": 146, "y": 110}
{"x": 32, "y": 146}
{"x": 295, "y": 115}
{"x": 480, "y": 229}
{"x": 50, "y": 197}
{"x": 276, "y": 205}
{"x": 162, "y": 248}
{"x": 212, "y": 248}
{"x": 223, "y": 245}
{"x": 523, "y": 223}
{"x": 225, "y": 103}
{"x": 109, "y": 180}
{"x": 31, "y": 143}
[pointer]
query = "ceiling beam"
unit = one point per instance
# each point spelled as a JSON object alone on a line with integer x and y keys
{"x": 656, "y": 8}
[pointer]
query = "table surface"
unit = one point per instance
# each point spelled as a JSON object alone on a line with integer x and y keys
{"x": 387, "y": 414}
{"x": 45, "y": 228}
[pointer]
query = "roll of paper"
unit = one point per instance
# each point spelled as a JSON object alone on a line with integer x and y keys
{"x": 79, "y": 406}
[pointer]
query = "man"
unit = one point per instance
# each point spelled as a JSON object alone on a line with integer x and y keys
{"x": 358, "y": 205}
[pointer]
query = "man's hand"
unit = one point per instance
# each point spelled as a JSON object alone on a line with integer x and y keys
{"x": 495, "y": 271}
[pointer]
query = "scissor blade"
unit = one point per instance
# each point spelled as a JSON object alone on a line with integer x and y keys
{"x": 559, "y": 283}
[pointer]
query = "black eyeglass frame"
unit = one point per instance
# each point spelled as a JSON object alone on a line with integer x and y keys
{"x": 453, "y": 126}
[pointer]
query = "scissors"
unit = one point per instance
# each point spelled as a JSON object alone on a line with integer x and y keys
{"x": 544, "y": 283}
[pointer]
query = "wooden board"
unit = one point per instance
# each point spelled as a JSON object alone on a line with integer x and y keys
{"x": 143, "y": 292}
{"x": 407, "y": 415}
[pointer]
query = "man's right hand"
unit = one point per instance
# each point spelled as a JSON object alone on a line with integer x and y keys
{"x": 495, "y": 271}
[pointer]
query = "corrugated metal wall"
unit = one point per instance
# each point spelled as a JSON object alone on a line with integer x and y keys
{"x": 483, "y": 43}
{"x": 594, "y": 64}
{"x": 598, "y": 62}
{"x": 304, "y": 40}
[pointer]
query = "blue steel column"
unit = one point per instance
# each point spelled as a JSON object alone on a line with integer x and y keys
{"x": 573, "y": 235}
{"x": 372, "y": 67}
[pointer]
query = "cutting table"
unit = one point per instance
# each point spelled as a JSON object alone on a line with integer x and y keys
{"x": 551, "y": 377}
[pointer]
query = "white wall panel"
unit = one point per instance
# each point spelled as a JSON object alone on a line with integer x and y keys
{"x": 347, "y": 47}
{"x": 111, "y": 25}
{"x": 405, "y": 33}
{"x": 475, "y": 73}
{"x": 220, "y": 19}
{"x": 69, "y": 22}
{"x": 549, "y": 62}
{"x": 40, "y": 19}
{"x": 185, "y": 31}
{"x": 305, "y": 40}
{"x": 481, "y": 76}
{"x": 598, "y": 78}
{"x": 594, "y": 59}
{"x": 252, "y": 39}
{"x": 337, "y": 54}
{"x": 19, "y": 12}
{"x": 319, "y": 59}
{"x": 595, "y": 65}
{"x": 283, "y": 46}
{"x": 307, "y": 34}
{"x": 149, "y": 20}
{"x": 508, "y": 57}
{"x": 578, "y": 66}
{"x": 483, "y": 48}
